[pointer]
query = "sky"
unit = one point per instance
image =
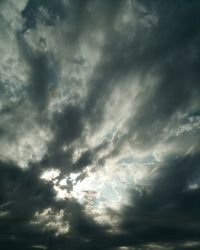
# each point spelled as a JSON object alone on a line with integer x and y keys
{"x": 100, "y": 124}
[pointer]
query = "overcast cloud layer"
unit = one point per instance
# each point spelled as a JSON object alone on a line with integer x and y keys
{"x": 100, "y": 124}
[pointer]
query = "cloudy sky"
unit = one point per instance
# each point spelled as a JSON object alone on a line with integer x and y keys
{"x": 100, "y": 124}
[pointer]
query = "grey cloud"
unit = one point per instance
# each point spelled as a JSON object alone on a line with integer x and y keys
{"x": 43, "y": 73}
{"x": 31, "y": 11}
{"x": 166, "y": 210}
{"x": 169, "y": 52}
{"x": 159, "y": 45}
{"x": 26, "y": 195}
{"x": 68, "y": 124}
{"x": 23, "y": 194}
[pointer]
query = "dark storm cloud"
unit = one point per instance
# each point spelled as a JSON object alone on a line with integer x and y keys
{"x": 84, "y": 160}
{"x": 167, "y": 210}
{"x": 161, "y": 41}
{"x": 43, "y": 73}
{"x": 170, "y": 51}
{"x": 101, "y": 83}
{"x": 90, "y": 157}
{"x": 68, "y": 124}
{"x": 31, "y": 11}
{"x": 164, "y": 213}
{"x": 23, "y": 194}
{"x": 175, "y": 59}
{"x": 67, "y": 127}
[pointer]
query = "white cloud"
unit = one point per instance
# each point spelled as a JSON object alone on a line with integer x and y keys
{"x": 52, "y": 220}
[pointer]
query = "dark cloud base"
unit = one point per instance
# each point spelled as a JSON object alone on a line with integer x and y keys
{"x": 163, "y": 41}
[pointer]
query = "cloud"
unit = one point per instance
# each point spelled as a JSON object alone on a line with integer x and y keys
{"x": 30, "y": 212}
{"x": 99, "y": 128}
{"x": 165, "y": 209}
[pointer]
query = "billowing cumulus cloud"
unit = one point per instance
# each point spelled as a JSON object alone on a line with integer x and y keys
{"x": 100, "y": 124}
